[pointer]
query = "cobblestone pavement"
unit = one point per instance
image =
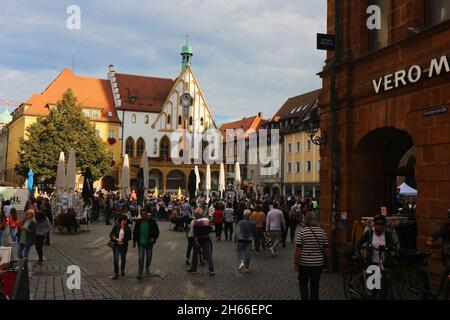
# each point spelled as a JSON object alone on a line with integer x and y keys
{"x": 269, "y": 277}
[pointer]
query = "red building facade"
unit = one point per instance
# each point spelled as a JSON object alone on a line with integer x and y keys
{"x": 393, "y": 97}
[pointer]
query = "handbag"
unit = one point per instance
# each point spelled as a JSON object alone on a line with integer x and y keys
{"x": 325, "y": 258}
{"x": 111, "y": 244}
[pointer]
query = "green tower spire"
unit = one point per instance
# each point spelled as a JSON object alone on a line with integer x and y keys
{"x": 186, "y": 54}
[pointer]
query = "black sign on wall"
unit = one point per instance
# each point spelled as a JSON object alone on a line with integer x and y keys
{"x": 326, "y": 41}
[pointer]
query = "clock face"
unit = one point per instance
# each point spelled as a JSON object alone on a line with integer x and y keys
{"x": 186, "y": 100}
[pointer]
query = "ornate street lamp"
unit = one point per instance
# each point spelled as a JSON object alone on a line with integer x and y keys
{"x": 312, "y": 123}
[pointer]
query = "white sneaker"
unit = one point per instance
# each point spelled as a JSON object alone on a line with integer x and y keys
{"x": 241, "y": 266}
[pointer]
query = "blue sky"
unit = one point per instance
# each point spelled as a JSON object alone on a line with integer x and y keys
{"x": 249, "y": 55}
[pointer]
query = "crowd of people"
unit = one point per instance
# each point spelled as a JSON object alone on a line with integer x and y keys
{"x": 33, "y": 230}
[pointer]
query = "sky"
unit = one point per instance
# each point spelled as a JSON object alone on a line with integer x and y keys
{"x": 250, "y": 56}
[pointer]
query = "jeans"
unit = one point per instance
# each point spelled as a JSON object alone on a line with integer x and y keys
{"x": 39, "y": 245}
{"x": 205, "y": 245}
{"x": 120, "y": 251}
{"x": 23, "y": 250}
{"x": 219, "y": 226}
{"x": 243, "y": 252}
{"x": 228, "y": 230}
{"x": 311, "y": 276}
{"x": 145, "y": 251}
{"x": 13, "y": 231}
{"x": 276, "y": 238}
{"x": 259, "y": 239}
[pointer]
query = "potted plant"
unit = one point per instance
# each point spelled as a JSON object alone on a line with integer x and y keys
{"x": 111, "y": 141}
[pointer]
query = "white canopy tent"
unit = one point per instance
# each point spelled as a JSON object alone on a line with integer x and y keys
{"x": 406, "y": 190}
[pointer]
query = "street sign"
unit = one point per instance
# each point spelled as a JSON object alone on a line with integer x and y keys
{"x": 326, "y": 41}
{"x": 435, "y": 111}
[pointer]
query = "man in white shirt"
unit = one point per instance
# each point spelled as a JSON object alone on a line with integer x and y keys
{"x": 275, "y": 224}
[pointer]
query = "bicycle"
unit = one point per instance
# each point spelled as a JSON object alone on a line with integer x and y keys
{"x": 201, "y": 255}
{"x": 416, "y": 278}
{"x": 355, "y": 279}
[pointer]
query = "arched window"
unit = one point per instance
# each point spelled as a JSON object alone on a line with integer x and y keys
{"x": 140, "y": 147}
{"x": 190, "y": 120}
{"x": 129, "y": 147}
{"x": 133, "y": 118}
{"x": 201, "y": 121}
{"x": 168, "y": 119}
{"x": 179, "y": 120}
{"x": 146, "y": 119}
{"x": 164, "y": 147}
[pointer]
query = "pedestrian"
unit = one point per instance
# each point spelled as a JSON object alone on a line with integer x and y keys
{"x": 121, "y": 235}
{"x": 259, "y": 218}
{"x": 275, "y": 224}
{"x": 145, "y": 234}
{"x": 310, "y": 260}
{"x": 43, "y": 227}
{"x": 285, "y": 211}
{"x": 292, "y": 223}
{"x": 109, "y": 207}
{"x": 49, "y": 215}
{"x": 203, "y": 245}
{"x": 95, "y": 208}
{"x": 13, "y": 224}
{"x": 191, "y": 241}
{"x": 218, "y": 221}
{"x": 27, "y": 235}
{"x": 186, "y": 213}
{"x": 7, "y": 208}
{"x": 243, "y": 237}
{"x": 228, "y": 216}
{"x": 3, "y": 223}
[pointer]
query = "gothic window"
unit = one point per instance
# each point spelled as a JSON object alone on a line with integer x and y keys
{"x": 133, "y": 118}
{"x": 140, "y": 147}
{"x": 168, "y": 119}
{"x": 146, "y": 119}
{"x": 129, "y": 147}
{"x": 179, "y": 120}
{"x": 164, "y": 147}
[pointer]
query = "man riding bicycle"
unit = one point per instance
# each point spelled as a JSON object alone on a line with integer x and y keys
{"x": 375, "y": 238}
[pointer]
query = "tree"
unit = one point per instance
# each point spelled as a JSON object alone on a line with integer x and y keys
{"x": 66, "y": 127}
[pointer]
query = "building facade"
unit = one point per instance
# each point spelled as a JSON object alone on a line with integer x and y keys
{"x": 393, "y": 92}
{"x": 95, "y": 97}
{"x": 301, "y": 159}
{"x": 150, "y": 111}
{"x": 243, "y": 152}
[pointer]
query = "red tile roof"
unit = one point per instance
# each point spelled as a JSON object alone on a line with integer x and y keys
{"x": 150, "y": 92}
{"x": 246, "y": 124}
{"x": 90, "y": 92}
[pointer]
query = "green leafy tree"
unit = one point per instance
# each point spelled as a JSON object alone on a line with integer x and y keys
{"x": 65, "y": 128}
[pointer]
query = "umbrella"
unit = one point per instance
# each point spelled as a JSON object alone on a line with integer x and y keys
{"x": 71, "y": 176}
{"x": 61, "y": 175}
{"x": 88, "y": 186}
{"x": 140, "y": 187}
{"x": 208, "y": 181}
{"x": 198, "y": 180}
{"x": 30, "y": 182}
{"x": 222, "y": 179}
{"x": 192, "y": 184}
{"x": 125, "y": 178}
{"x": 256, "y": 177}
{"x": 144, "y": 166}
{"x": 237, "y": 174}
